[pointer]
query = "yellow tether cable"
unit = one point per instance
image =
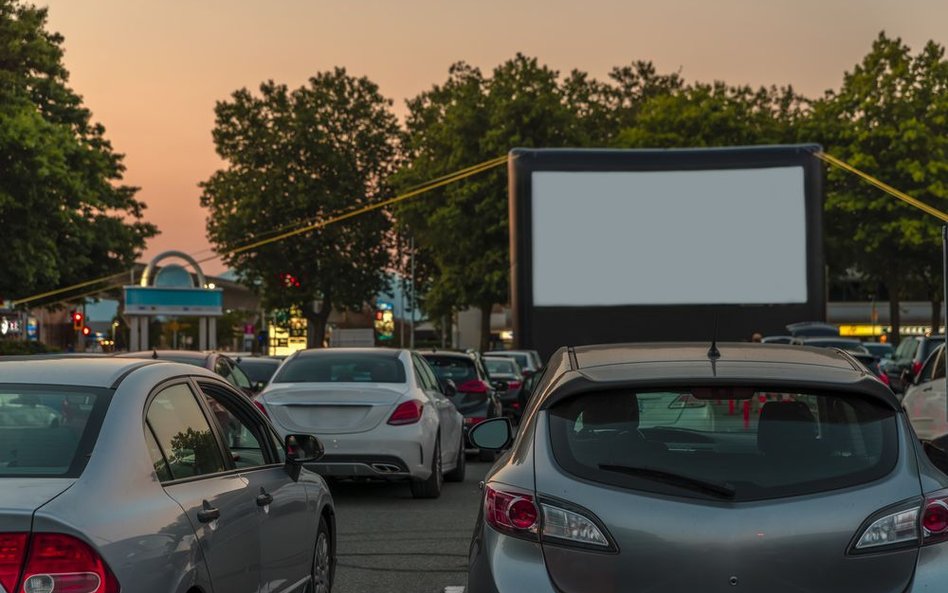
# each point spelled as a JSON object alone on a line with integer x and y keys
{"x": 415, "y": 191}
{"x": 828, "y": 158}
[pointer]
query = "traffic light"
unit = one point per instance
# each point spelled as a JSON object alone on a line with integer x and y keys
{"x": 85, "y": 330}
{"x": 77, "y": 320}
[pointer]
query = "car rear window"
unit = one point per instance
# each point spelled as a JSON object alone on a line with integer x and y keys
{"x": 48, "y": 431}
{"x": 755, "y": 444}
{"x": 456, "y": 368}
{"x": 342, "y": 367}
{"x": 259, "y": 371}
{"x": 502, "y": 367}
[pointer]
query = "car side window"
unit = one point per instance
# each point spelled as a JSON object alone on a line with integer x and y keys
{"x": 182, "y": 435}
{"x": 240, "y": 378}
{"x": 157, "y": 457}
{"x": 241, "y": 436}
{"x": 426, "y": 382}
{"x": 428, "y": 372}
{"x": 938, "y": 370}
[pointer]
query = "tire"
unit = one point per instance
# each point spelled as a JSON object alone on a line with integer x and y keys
{"x": 430, "y": 488}
{"x": 457, "y": 474}
{"x": 322, "y": 560}
{"x": 487, "y": 456}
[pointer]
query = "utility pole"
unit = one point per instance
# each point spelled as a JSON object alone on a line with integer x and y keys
{"x": 944, "y": 259}
{"x": 401, "y": 280}
{"x": 411, "y": 339}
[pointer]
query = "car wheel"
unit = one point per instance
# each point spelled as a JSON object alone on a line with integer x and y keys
{"x": 430, "y": 488}
{"x": 457, "y": 474}
{"x": 322, "y": 560}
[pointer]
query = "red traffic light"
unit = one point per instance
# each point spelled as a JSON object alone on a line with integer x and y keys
{"x": 86, "y": 331}
{"x": 77, "y": 319}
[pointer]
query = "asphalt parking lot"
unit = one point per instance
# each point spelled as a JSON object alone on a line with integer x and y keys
{"x": 390, "y": 542}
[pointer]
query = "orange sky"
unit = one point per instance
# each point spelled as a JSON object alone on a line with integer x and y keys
{"x": 151, "y": 70}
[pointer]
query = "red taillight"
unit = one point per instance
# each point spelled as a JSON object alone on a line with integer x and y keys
{"x": 935, "y": 518}
{"x": 885, "y": 379}
{"x": 406, "y": 413}
{"x": 12, "y": 552}
{"x": 473, "y": 420}
{"x": 510, "y": 511}
{"x": 916, "y": 367}
{"x": 260, "y": 407}
{"x": 511, "y": 385}
{"x": 474, "y": 386}
{"x": 65, "y": 564}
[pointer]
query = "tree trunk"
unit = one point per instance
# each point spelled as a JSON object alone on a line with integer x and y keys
{"x": 316, "y": 330}
{"x": 895, "y": 321}
{"x": 936, "y": 315}
{"x": 485, "y": 327}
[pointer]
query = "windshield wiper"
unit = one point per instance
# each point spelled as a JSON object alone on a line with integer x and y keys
{"x": 719, "y": 490}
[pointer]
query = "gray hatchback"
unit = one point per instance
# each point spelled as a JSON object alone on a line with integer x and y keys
{"x": 152, "y": 477}
{"x": 670, "y": 468}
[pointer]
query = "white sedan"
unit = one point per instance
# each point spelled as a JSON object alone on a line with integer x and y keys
{"x": 380, "y": 413}
{"x": 924, "y": 400}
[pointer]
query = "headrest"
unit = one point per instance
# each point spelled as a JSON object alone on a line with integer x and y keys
{"x": 602, "y": 409}
{"x": 786, "y": 427}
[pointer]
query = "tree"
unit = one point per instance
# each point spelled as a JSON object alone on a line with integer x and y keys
{"x": 294, "y": 157}
{"x": 890, "y": 119}
{"x": 65, "y": 216}
{"x": 463, "y": 228}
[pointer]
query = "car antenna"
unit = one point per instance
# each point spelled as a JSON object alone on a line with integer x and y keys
{"x": 713, "y": 352}
{"x": 154, "y": 354}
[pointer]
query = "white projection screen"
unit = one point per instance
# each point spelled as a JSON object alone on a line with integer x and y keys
{"x": 735, "y": 236}
{"x": 664, "y": 245}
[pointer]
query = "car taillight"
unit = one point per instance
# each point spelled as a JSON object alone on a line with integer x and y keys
{"x": 899, "y": 527}
{"x": 406, "y": 413}
{"x": 64, "y": 564}
{"x": 934, "y": 520}
{"x": 470, "y": 421}
{"x": 517, "y": 513}
{"x": 474, "y": 386}
{"x": 916, "y": 367}
{"x": 885, "y": 379}
{"x": 12, "y": 552}
{"x": 511, "y": 385}
{"x": 260, "y": 407}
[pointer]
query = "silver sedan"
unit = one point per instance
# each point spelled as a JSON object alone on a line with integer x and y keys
{"x": 381, "y": 413}
{"x": 152, "y": 477}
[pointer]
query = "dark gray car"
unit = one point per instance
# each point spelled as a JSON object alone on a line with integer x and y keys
{"x": 673, "y": 468}
{"x": 152, "y": 477}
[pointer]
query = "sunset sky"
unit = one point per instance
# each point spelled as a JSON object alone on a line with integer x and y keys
{"x": 151, "y": 70}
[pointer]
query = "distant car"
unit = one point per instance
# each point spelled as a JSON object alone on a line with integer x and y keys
{"x": 854, "y": 346}
{"x": 152, "y": 477}
{"x": 924, "y": 400}
{"x": 879, "y": 349}
{"x": 475, "y": 396}
{"x": 212, "y": 361}
{"x": 529, "y": 360}
{"x": 777, "y": 339}
{"x": 637, "y": 470}
{"x": 259, "y": 369}
{"x": 909, "y": 358}
{"x": 502, "y": 368}
{"x": 381, "y": 413}
{"x": 871, "y": 362}
{"x": 812, "y": 329}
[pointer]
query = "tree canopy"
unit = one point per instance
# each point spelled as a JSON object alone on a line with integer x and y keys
{"x": 65, "y": 217}
{"x": 298, "y": 156}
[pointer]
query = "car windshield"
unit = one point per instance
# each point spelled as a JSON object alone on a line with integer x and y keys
{"x": 41, "y": 429}
{"x": 522, "y": 359}
{"x": 259, "y": 370}
{"x": 456, "y": 368}
{"x": 342, "y": 367}
{"x": 499, "y": 366}
{"x": 757, "y": 444}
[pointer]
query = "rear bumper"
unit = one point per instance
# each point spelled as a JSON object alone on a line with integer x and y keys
{"x": 503, "y": 564}
{"x": 931, "y": 571}
{"x": 357, "y": 466}
{"x": 404, "y": 455}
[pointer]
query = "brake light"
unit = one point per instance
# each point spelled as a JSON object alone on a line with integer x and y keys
{"x": 934, "y": 521}
{"x": 470, "y": 421}
{"x": 514, "y": 384}
{"x": 65, "y": 564}
{"x": 916, "y": 367}
{"x": 406, "y": 413}
{"x": 885, "y": 379}
{"x": 260, "y": 407}
{"x": 12, "y": 551}
{"x": 474, "y": 386}
{"x": 511, "y": 511}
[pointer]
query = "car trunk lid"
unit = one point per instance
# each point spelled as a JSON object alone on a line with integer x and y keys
{"x": 21, "y": 497}
{"x": 331, "y": 408}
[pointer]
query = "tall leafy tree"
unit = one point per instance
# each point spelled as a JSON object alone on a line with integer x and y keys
{"x": 65, "y": 216}
{"x": 463, "y": 228}
{"x": 299, "y": 156}
{"x": 889, "y": 118}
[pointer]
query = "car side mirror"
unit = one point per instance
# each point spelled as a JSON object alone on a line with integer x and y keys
{"x": 500, "y": 385}
{"x": 303, "y": 448}
{"x": 449, "y": 388}
{"x": 494, "y": 434}
{"x": 258, "y": 386}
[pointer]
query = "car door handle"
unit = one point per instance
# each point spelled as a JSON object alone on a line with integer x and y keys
{"x": 208, "y": 513}
{"x": 264, "y": 498}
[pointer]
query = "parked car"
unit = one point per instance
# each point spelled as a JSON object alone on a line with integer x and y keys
{"x": 908, "y": 360}
{"x": 849, "y": 345}
{"x": 259, "y": 369}
{"x": 879, "y": 349}
{"x": 502, "y": 368}
{"x": 212, "y": 361}
{"x": 636, "y": 464}
{"x": 529, "y": 360}
{"x": 153, "y": 477}
{"x": 872, "y": 363}
{"x": 924, "y": 400}
{"x": 474, "y": 395}
{"x": 382, "y": 413}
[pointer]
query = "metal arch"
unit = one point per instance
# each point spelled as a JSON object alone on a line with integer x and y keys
{"x": 150, "y": 270}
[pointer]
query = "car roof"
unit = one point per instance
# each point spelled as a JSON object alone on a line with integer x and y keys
{"x": 393, "y": 352}
{"x": 827, "y": 340}
{"x": 454, "y": 353}
{"x": 159, "y": 354}
{"x": 595, "y": 367}
{"x": 76, "y": 371}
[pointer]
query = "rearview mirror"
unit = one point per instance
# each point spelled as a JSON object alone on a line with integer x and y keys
{"x": 493, "y": 434}
{"x": 303, "y": 448}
